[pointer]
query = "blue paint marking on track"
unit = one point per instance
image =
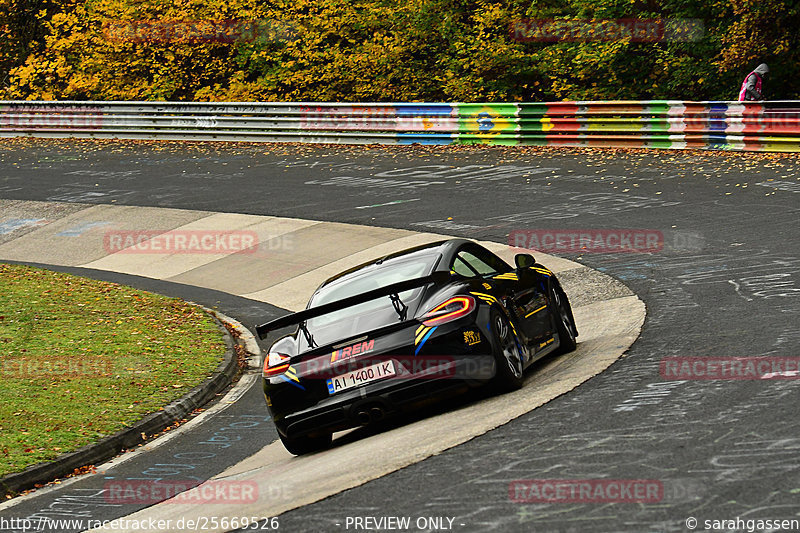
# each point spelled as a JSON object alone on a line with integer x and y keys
{"x": 14, "y": 224}
{"x": 80, "y": 229}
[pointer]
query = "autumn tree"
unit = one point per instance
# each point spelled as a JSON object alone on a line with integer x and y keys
{"x": 764, "y": 31}
{"x": 388, "y": 50}
{"x": 22, "y": 30}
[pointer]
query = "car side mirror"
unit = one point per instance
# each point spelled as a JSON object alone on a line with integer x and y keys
{"x": 524, "y": 260}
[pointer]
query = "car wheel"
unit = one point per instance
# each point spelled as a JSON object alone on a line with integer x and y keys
{"x": 304, "y": 445}
{"x": 565, "y": 327}
{"x": 508, "y": 360}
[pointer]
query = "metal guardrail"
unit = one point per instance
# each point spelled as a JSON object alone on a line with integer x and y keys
{"x": 757, "y": 126}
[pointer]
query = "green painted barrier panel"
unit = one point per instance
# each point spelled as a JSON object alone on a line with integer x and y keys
{"x": 487, "y": 119}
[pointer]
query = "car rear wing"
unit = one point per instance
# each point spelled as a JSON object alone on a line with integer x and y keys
{"x": 437, "y": 278}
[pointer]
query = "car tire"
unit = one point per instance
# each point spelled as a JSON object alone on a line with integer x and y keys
{"x": 305, "y": 445}
{"x": 508, "y": 360}
{"x": 565, "y": 325}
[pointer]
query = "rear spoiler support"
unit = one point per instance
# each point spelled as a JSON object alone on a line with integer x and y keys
{"x": 438, "y": 278}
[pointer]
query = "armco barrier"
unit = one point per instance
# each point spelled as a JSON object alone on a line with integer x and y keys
{"x": 757, "y": 126}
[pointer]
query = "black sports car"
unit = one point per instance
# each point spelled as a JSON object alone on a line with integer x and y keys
{"x": 407, "y": 328}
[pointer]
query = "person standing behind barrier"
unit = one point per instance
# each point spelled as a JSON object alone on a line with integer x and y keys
{"x": 752, "y": 84}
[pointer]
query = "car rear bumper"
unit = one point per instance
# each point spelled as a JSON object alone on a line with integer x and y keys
{"x": 383, "y": 399}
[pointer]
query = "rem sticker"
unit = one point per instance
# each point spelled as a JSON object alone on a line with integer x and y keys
{"x": 354, "y": 350}
{"x": 508, "y": 276}
{"x": 471, "y": 337}
{"x": 487, "y": 286}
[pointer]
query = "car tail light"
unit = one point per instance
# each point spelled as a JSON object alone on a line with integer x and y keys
{"x": 275, "y": 363}
{"x": 452, "y": 309}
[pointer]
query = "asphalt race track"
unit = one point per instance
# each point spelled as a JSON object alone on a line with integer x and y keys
{"x": 725, "y": 284}
{"x": 292, "y": 258}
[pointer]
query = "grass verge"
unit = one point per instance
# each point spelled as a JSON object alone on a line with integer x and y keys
{"x": 81, "y": 359}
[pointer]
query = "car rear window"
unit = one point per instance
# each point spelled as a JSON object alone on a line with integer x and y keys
{"x": 375, "y": 313}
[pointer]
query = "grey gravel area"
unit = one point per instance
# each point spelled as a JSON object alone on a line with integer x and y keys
{"x": 19, "y": 217}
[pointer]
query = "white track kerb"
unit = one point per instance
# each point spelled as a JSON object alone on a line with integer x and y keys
{"x": 291, "y": 259}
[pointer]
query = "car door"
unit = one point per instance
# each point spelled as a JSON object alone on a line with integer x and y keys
{"x": 530, "y": 297}
{"x": 524, "y": 300}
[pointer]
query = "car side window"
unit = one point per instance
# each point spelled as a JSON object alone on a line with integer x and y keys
{"x": 461, "y": 268}
{"x": 477, "y": 265}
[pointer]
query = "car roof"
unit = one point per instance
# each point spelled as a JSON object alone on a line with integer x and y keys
{"x": 443, "y": 247}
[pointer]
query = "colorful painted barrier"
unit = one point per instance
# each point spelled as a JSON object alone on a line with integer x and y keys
{"x": 758, "y": 126}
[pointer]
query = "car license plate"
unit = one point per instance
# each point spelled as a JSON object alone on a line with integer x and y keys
{"x": 360, "y": 377}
